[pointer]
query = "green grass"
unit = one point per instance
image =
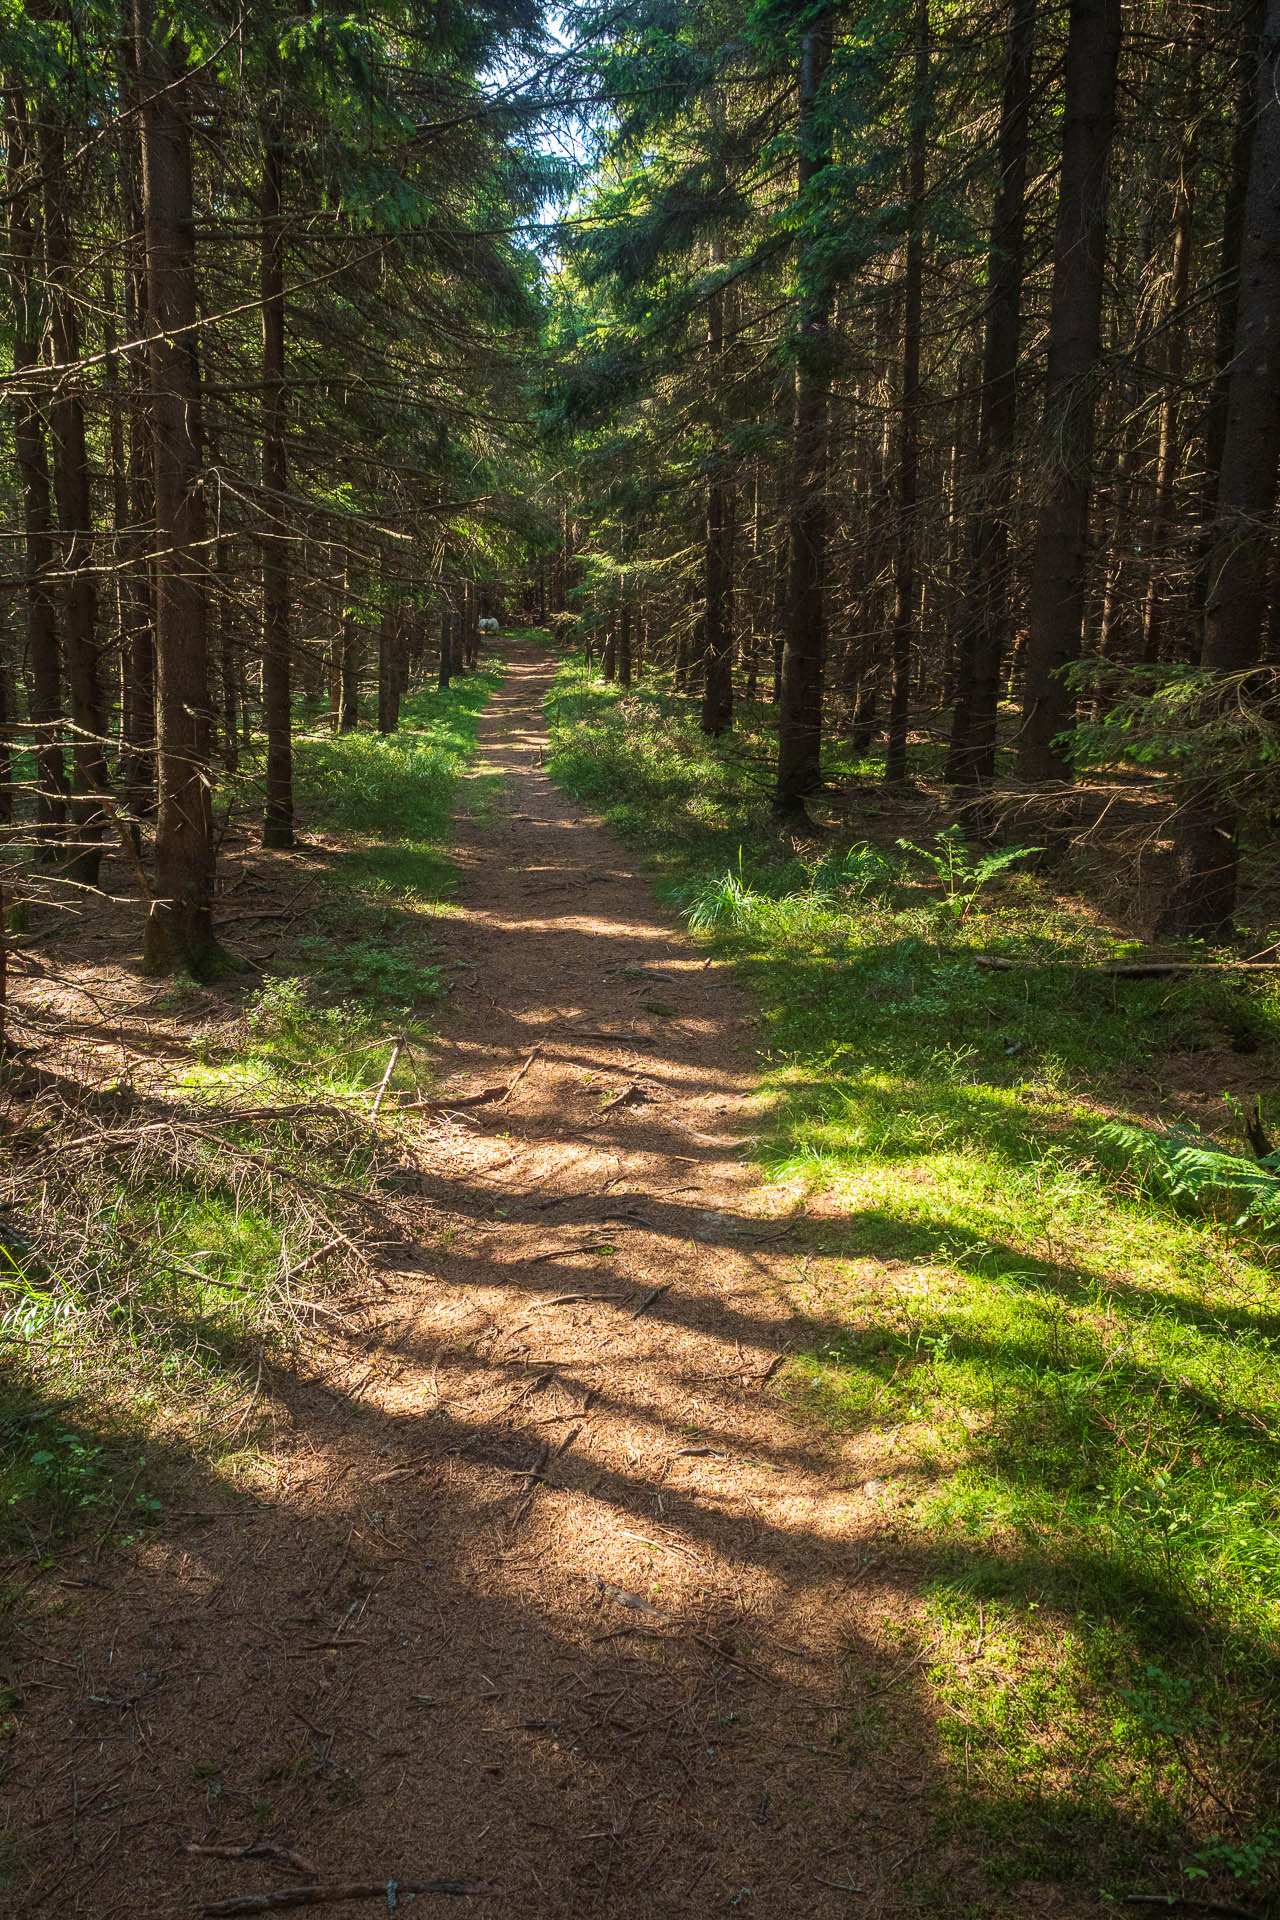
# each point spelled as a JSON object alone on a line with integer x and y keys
{"x": 1072, "y": 1366}
{"x": 139, "y": 1296}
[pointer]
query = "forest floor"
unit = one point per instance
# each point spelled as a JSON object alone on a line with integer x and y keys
{"x": 606, "y": 1479}
{"x": 536, "y": 1586}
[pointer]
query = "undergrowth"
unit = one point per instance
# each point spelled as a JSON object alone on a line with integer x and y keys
{"x": 158, "y": 1246}
{"x": 1055, "y": 1315}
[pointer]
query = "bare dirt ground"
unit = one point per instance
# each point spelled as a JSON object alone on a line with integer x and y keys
{"x": 547, "y": 1591}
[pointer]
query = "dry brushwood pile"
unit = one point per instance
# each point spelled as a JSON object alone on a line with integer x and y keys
{"x": 519, "y": 1583}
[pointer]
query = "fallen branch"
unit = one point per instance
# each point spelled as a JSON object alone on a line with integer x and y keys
{"x": 1129, "y": 969}
{"x": 514, "y": 1083}
{"x": 385, "y": 1081}
{"x": 1172, "y": 1900}
{"x": 322, "y": 1892}
{"x": 258, "y": 1850}
{"x": 481, "y": 1099}
{"x": 654, "y": 1293}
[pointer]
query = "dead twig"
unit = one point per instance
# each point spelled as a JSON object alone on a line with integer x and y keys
{"x": 385, "y": 1081}
{"x": 515, "y": 1082}
{"x": 258, "y": 1850}
{"x": 318, "y": 1893}
{"x": 1192, "y": 1905}
{"x": 654, "y": 1293}
{"x": 1131, "y": 970}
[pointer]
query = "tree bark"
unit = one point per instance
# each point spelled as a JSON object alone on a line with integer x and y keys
{"x": 1204, "y": 896}
{"x": 388, "y": 672}
{"x": 72, "y": 494}
{"x": 1169, "y": 445}
{"x": 971, "y": 760}
{"x": 277, "y": 689}
{"x": 137, "y": 600}
{"x": 33, "y": 476}
{"x": 180, "y": 927}
{"x": 350, "y": 668}
{"x": 717, "y": 695}
{"x": 904, "y": 569}
{"x": 800, "y": 705}
{"x": 446, "y": 648}
{"x": 1057, "y": 592}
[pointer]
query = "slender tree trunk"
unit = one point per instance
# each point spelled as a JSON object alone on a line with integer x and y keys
{"x": 971, "y": 761}
{"x": 800, "y": 707}
{"x": 1215, "y": 425}
{"x": 446, "y": 648}
{"x": 350, "y": 643}
{"x": 180, "y": 927}
{"x": 388, "y": 672}
{"x": 1057, "y": 593}
{"x": 277, "y": 690}
{"x": 624, "y": 635}
{"x": 33, "y": 475}
{"x": 717, "y": 696}
{"x": 1169, "y": 447}
{"x": 8, "y": 713}
{"x": 1204, "y": 897}
{"x": 904, "y": 570}
{"x": 137, "y": 639}
{"x": 75, "y": 518}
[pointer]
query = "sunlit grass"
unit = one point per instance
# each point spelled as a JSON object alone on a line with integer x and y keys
{"x": 1072, "y": 1366}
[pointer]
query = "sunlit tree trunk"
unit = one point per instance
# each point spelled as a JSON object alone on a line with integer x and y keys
{"x": 904, "y": 571}
{"x": 800, "y": 706}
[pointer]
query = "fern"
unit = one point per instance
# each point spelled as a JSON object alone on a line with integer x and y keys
{"x": 1193, "y": 1172}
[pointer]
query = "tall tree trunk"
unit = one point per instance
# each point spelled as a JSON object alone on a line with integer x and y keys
{"x": 180, "y": 927}
{"x": 971, "y": 760}
{"x": 1057, "y": 593}
{"x": 277, "y": 689}
{"x": 137, "y": 600}
{"x": 388, "y": 672}
{"x": 800, "y": 707}
{"x": 350, "y": 643}
{"x": 72, "y": 494}
{"x": 1167, "y": 454}
{"x": 624, "y": 635}
{"x": 1204, "y": 897}
{"x": 717, "y": 695}
{"x": 446, "y": 647}
{"x": 904, "y": 569}
{"x": 33, "y": 474}
{"x": 1228, "y": 307}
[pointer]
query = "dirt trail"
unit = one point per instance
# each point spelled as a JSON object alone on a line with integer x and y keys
{"x": 550, "y": 1594}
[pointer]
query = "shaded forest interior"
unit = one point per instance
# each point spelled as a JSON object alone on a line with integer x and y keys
{"x": 875, "y": 412}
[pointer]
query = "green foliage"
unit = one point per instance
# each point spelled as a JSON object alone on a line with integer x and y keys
{"x": 963, "y": 877}
{"x": 1198, "y": 1173}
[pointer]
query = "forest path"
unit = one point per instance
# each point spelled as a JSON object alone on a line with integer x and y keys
{"x": 548, "y": 1593}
